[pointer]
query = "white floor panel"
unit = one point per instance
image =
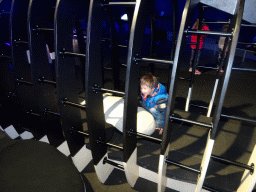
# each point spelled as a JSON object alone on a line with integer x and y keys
{"x": 82, "y": 158}
{"x": 45, "y": 139}
{"x": 63, "y": 148}
{"x": 26, "y": 135}
{"x": 11, "y": 132}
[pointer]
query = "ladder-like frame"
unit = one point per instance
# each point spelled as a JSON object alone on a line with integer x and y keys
{"x": 143, "y": 11}
{"x": 213, "y": 125}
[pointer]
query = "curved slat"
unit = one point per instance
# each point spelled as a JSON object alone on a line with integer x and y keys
{"x": 22, "y": 69}
{"x": 42, "y": 67}
{"x": 94, "y": 100}
{"x": 66, "y": 14}
{"x": 141, "y": 14}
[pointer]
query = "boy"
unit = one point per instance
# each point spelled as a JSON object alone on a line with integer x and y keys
{"x": 154, "y": 99}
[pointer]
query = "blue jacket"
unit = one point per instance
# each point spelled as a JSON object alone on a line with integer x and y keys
{"x": 156, "y": 104}
{"x": 151, "y": 101}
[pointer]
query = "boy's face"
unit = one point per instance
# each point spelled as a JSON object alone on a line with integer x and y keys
{"x": 146, "y": 90}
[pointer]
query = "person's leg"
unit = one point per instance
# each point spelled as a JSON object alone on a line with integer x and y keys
{"x": 197, "y": 72}
{"x": 219, "y": 57}
{"x": 198, "y": 56}
{"x": 159, "y": 119}
{"x": 220, "y": 60}
{"x": 191, "y": 59}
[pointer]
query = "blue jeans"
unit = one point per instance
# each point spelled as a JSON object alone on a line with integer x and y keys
{"x": 192, "y": 57}
{"x": 158, "y": 116}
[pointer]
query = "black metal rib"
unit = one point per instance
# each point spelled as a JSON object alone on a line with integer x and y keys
{"x": 43, "y": 29}
{"x": 108, "y": 68}
{"x": 210, "y": 189}
{"x": 105, "y": 160}
{"x": 192, "y": 122}
{"x": 81, "y": 132}
{"x": 108, "y": 39}
{"x": 216, "y": 22}
{"x": 199, "y": 106}
{"x": 239, "y": 118}
{"x": 241, "y": 69}
{"x": 105, "y": 39}
{"x": 146, "y": 137}
{"x": 233, "y": 68}
{"x": 125, "y": 46}
{"x": 110, "y": 145}
{"x": 5, "y": 13}
{"x": 20, "y": 42}
{"x": 217, "y": 33}
{"x": 182, "y": 166}
{"x": 26, "y": 129}
{"x": 154, "y": 60}
{"x": 31, "y": 113}
{"x": 108, "y": 91}
{"x": 51, "y": 112}
{"x": 72, "y": 54}
{"x": 227, "y": 22}
{"x": 183, "y": 78}
{"x": 20, "y": 81}
{"x": 243, "y": 43}
{"x": 66, "y": 102}
{"x": 43, "y": 80}
{"x": 5, "y": 57}
{"x": 204, "y": 67}
{"x": 122, "y": 4}
{"x": 229, "y": 162}
{"x": 248, "y": 25}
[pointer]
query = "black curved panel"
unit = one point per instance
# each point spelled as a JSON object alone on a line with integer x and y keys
{"x": 132, "y": 75}
{"x": 66, "y": 16}
{"x": 7, "y": 87}
{"x": 21, "y": 68}
{"x": 93, "y": 78}
{"x": 42, "y": 67}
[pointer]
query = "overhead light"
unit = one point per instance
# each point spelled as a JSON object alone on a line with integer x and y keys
{"x": 124, "y": 17}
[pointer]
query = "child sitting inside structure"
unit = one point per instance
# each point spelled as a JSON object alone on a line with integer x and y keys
{"x": 154, "y": 99}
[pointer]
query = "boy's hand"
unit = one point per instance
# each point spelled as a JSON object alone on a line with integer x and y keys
{"x": 160, "y": 130}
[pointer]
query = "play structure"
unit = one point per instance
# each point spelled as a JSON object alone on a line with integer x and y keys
{"x": 70, "y": 94}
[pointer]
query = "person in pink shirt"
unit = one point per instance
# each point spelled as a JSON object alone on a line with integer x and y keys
{"x": 193, "y": 46}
